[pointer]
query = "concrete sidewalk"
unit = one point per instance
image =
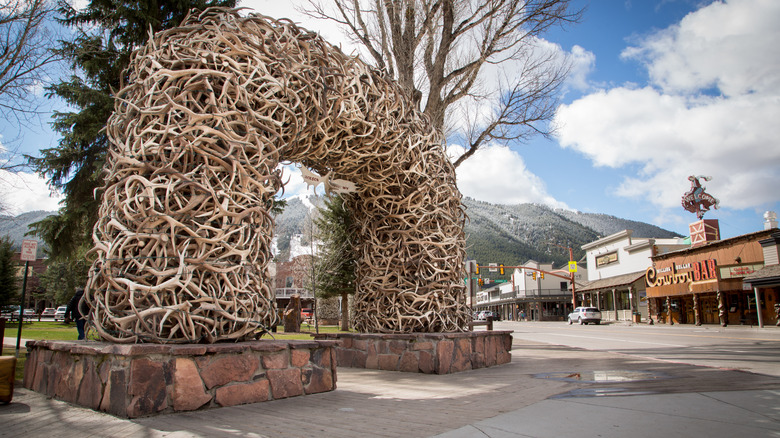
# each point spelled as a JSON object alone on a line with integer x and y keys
{"x": 513, "y": 400}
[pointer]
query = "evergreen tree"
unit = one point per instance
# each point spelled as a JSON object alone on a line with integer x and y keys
{"x": 335, "y": 263}
{"x": 9, "y": 287}
{"x": 107, "y": 31}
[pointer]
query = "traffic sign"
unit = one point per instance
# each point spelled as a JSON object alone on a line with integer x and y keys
{"x": 29, "y": 250}
{"x": 572, "y": 266}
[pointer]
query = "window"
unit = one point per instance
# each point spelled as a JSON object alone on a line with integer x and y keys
{"x": 289, "y": 282}
{"x": 564, "y": 286}
{"x": 606, "y": 259}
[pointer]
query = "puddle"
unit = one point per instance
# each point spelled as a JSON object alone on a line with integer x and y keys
{"x": 603, "y": 376}
{"x": 600, "y": 392}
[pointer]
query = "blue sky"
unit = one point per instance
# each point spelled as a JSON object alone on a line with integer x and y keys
{"x": 659, "y": 90}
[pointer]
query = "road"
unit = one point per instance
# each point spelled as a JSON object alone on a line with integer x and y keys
{"x": 741, "y": 348}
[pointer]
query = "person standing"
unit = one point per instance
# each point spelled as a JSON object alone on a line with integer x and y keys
{"x": 74, "y": 313}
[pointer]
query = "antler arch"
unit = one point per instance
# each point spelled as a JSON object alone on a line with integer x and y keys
{"x": 183, "y": 242}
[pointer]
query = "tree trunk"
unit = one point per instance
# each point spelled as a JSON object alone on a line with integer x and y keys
{"x": 344, "y": 311}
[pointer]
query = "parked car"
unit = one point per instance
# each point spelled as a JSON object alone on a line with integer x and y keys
{"x": 49, "y": 311}
{"x": 59, "y": 314}
{"x": 28, "y": 314}
{"x": 483, "y": 316}
{"x": 585, "y": 315}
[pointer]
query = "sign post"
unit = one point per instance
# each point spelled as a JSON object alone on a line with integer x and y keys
{"x": 29, "y": 251}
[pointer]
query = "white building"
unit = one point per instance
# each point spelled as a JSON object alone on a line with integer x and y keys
{"x": 617, "y": 265}
{"x": 539, "y": 296}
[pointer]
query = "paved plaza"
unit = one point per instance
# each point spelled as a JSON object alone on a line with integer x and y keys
{"x": 548, "y": 390}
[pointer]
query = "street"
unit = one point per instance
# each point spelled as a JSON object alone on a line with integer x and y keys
{"x": 738, "y": 347}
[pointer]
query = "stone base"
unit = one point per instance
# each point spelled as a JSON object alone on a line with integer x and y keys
{"x": 430, "y": 353}
{"x": 145, "y": 379}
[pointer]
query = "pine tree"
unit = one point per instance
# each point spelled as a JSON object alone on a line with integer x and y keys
{"x": 9, "y": 287}
{"x": 335, "y": 263}
{"x": 107, "y": 33}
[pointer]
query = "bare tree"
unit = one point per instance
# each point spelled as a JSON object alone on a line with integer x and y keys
{"x": 25, "y": 55}
{"x": 439, "y": 51}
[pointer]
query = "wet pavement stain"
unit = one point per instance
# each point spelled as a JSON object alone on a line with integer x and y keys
{"x": 604, "y": 376}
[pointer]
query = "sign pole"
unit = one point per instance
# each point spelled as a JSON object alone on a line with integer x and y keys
{"x": 29, "y": 251}
{"x": 21, "y": 310}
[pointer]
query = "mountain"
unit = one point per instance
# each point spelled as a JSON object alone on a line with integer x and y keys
{"x": 506, "y": 234}
{"x": 514, "y": 234}
{"x": 495, "y": 233}
{"x": 17, "y": 226}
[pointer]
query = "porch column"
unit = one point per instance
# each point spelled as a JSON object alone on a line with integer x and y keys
{"x": 758, "y": 308}
{"x": 696, "y": 309}
{"x": 631, "y": 302}
{"x": 614, "y": 304}
{"x": 722, "y": 315}
{"x": 669, "y": 310}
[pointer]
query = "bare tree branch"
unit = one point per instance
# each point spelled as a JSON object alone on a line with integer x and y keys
{"x": 25, "y": 55}
{"x": 438, "y": 50}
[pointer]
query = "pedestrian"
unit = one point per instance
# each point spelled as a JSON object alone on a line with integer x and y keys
{"x": 74, "y": 313}
{"x": 522, "y": 315}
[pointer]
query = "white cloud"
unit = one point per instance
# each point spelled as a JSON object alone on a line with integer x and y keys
{"x": 498, "y": 174}
{"x": 23, "y": 192}
{"x": 731, "y": 46}
{"x": 582, "y": 64}
{"x": 678, "y": 128}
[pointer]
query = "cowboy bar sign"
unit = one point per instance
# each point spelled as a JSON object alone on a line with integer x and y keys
{"x": 681, "y": 274}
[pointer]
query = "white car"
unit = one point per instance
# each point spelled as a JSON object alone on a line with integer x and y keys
{"x": 59, "y": 315}
{"x": 585, "y": 315}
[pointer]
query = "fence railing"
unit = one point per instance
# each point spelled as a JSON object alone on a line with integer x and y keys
{"x": 287, "y": 292}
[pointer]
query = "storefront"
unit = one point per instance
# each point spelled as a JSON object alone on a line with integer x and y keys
{"x": 620, "y": 298}
{"x": 704, "y": 284}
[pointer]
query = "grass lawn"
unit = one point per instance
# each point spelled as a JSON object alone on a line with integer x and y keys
{"x": 49, "y": 330}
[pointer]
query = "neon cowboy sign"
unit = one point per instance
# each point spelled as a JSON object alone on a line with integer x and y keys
{"x": 681, "y": 274}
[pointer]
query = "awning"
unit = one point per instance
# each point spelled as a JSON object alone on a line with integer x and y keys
{"x": 612, "y": 282}
{"x": 766, "y": 276}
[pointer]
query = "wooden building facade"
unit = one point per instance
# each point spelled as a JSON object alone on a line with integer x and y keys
{"x": 704, "y": 284}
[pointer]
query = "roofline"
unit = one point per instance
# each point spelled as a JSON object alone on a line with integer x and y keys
{"x": 612, "y": 237}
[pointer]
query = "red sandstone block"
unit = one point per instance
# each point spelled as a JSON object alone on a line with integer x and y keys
{"x": 115, "y": 394}
{"x": 426, "y": 362}
{"x": 188, "y": 390}
{"x": 267, "y": 346}
{"x": 504, "y": 358}
{"x": 444, "y": 352}
{"x": 409, "y": 363}
{"x": 242, "y": 393}
{"x": 397, "y": 346}
{"x": 490, "y": 351}
{"x": 147, "y": 387}
{"x": 226, "y": 369}
{"x": 299, "y": 358}
{"x": 90, "y": 388}
{"x": 278, "y": 360}
{"x": 422, "y": 345}
{"x": 317, "y": 380}
{"x": 227, "y": 348}
{"x": 188, "y": 350}
{"x": 285, "y": 383}
{"x": 388, "y": 362}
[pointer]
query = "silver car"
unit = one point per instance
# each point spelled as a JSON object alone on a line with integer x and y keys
{"x": 585, "y": 315}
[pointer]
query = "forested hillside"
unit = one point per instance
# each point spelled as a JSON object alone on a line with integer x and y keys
{"x": 505, "y": 234}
